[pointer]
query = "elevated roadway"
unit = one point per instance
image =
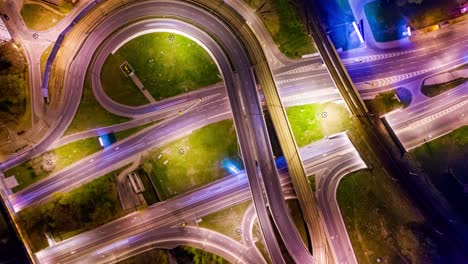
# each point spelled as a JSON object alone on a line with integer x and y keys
{"x": 248, "y": 142}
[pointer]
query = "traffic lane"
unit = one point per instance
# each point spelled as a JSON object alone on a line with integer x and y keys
{"x": 193, "y": 208}
{"x": 418, "y": 134}
{"x": 310, "y": 82}
{"x": 269, "y": 175}
{"x": 395, "y": 67}
{"x": 309, "y": 98}
{"x": 427, "y": 108}
{"x": 205, "y": 239}
{"x": 324, "y": 147}
{"x": 246, "y": 226}
{"x": 326, "y": 196}
{"x": 313, "y": 63}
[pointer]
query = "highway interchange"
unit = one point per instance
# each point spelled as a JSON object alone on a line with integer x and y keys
{"x": 298, "y": 82}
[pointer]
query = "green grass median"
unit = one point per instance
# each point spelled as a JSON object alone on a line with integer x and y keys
{"x": 90, "y": 107}
{"x": 227, "y": 221}
{"x": 436, "y": 89}
{"x": 192, "y": 161}
{"x": 180, "y": 254}
{"x": 443, "y": 162}
{"x": 43, "y": 16}
{"x": 381, "y": 222}
{"x": 167, "y": 64}
{"x": 383, "y": 103}
{"x": 447, "y": 152}
{"x": 313, "y": 122}
{"x": 37, "y": 168}
{"x": 44, "y": 57}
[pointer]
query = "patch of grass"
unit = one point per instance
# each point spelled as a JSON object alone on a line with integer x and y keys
{"x": 72, "y": 152}
{"x": 192, "y": 161}
{"x": 388, "y": 19}
{"x": 283, "y": 21}
{"x": 380, "y": 220}
{"x": 444, "y": 153}
{"x": 90, "y": 107}
{"x": 383, "y": 103}
{"x": 159, "y": 256}
{"x": 15, "y": 113}
{"x": 44, "y": 57}
{"x": 201, "y": 256}
{"x": 295, "y": 212}
{"x": 128, "y": 132}
{"x": 444, "y": 161}
{"x": 226, "y": 221}
{"x": 436, "y": 89}
{"x": 165, "y": 67}
{"x": 82, "y": 209}
{"x": 37, "y": 17}
{"x": 313, "y": 122}
{"x": 34, "y": 170}
{"x": 430, "y": 12}
{"x": 385, "y": 21}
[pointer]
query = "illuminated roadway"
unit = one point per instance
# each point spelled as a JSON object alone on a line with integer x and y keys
{"x": 313, "y": 79}
{"x": 246, "y": 139}
{"x": 216, "y": 196}
{"x": 297, "y": 81}
{"x": 378, "y": 65}
{"x": 376, "y": 136}
{"x": 433, "y": 118}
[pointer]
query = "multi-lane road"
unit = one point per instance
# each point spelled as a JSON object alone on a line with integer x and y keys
{"x": 234, "y": 189}
{"x": 299, "y": 82}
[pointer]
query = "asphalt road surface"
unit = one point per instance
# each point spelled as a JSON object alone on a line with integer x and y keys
{"x": 226, "y": 192}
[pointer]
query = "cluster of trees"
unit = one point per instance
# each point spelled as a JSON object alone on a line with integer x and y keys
{"x": 87, "y": 207}
{"x": 203, "y": 257}
{"x": 13, "y": 86}
{"x": 181, "y": 254}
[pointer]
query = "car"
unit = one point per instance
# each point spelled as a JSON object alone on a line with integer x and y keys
{"x": 5, "y": 16}
{"x": 358, "y": 60}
